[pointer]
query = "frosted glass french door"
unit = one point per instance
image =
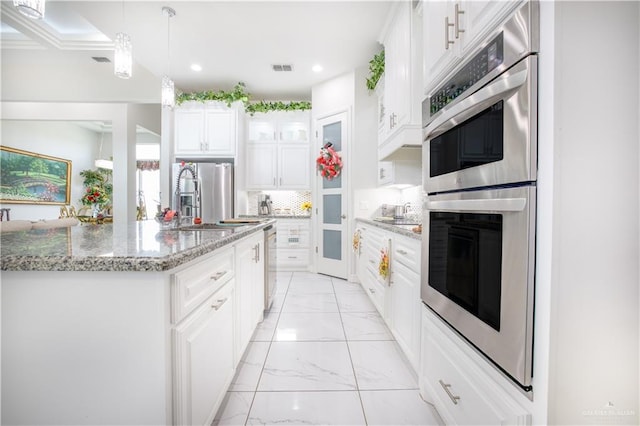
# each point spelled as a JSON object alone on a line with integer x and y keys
{"x": 332, "y": 201}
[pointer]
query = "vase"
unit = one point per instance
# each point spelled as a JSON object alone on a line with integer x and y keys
{"x": 95, "y": 210}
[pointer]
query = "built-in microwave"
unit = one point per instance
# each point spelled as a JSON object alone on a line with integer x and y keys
{"x": 479, "y": 210}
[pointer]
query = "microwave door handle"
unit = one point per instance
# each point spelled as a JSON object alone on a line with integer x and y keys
{"x": 493, "y": 205}
{"x": 477, "y": 102}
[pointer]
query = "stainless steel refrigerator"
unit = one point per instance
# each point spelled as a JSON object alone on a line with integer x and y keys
{"x": 209, "y": 196}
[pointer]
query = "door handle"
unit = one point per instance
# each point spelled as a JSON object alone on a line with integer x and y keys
{"x": 447, "y": 42}
{"x": 344, "y": 216}
{"x": 456, "y": 21}
{"x": 500, "y": 205}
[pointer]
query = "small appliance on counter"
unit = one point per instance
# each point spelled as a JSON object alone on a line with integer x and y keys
{"x": 264, "y": 205}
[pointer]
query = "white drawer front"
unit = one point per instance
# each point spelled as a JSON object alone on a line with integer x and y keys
{"x": 375, "y": 290}
{"x": 292, "y": 258}
{"x": 462, "y": 393}
{"x": 407, "y": 252}
{"x": 192, "y": 285}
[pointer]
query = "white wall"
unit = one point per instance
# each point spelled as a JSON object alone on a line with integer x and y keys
{"x": 594, "y": 246}
{"x": 61, "y": 139}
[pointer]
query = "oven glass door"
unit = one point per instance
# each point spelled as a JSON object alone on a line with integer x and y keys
{"x": 465, "y": 260}
{"x": 478, "y": 260}
{"x": 488, "y": 138}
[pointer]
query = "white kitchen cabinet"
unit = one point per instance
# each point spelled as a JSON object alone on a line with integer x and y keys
{"x": 400, "y": 110}
{"x": 459, "y": 383}
{"x": 249, "y": 289}
{"x": 204, "y": 358}
{"x": 373, "y": 241}
{"x": 205, "y": 131}
{"x": 405, "y": 296}
{"x": 278, "y": 151}
{"x": 453, "y": 29}
{"x": 293, "y": 244}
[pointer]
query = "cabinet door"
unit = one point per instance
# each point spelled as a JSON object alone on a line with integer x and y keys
{"x": 399, "y": 51}
{"x": 438, "y": 55}
{"x": 293, "y": 166}
{"x": 261, "y": 166}
{"x": 257, "y": 283}
{"x": 189, "y": 131}
{"x": 294, "y": 127}
{"x": 204, "y": 362}
{"x": 220, "y": 137}
{"x": 250, "y": 289}
{"x": 405, "y": 310}
{"x": 385, "y": 172}
{"x": 262, "y": 128}
{"x": 477, "y": 19}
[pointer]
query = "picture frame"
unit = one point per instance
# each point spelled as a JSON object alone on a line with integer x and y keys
{"x": 32, "y": 178}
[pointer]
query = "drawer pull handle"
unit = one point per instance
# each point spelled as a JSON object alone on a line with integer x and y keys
{"x": 218, "y": 275}
{"x": 292, "y": 257}
{"x": 446, "y": 387}
{"x": 372, "y": 291}
{"x": 219, "y": 304}
{"x": 372, "y": 261}
{"x": 402, "y": 252}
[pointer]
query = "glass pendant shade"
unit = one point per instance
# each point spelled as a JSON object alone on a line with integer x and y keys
{"x": 32, "y": 8}
{"x": 123, "y": 55}
{"x": 168, "y": 92}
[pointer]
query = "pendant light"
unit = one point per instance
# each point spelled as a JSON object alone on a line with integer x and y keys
{"x": 100, "y": 162}
{"x": 123, "y": 57}
{"x": 168, "y": 89}
{"x": 32, "y": 8}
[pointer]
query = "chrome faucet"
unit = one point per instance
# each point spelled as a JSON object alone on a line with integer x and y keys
{"x": 196, "y": 191}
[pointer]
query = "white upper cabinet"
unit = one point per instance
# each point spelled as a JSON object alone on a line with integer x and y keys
{"x": 399, "y": 98}
{"x": 453, "y": 29}
{"x": 278, "y": 151}
{"x": 205, "y": 130}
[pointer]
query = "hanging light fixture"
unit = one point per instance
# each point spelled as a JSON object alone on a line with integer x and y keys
{"x": 123, "y": 57}
{"x": 32, "y": 8}
{"x": 101, "y": 163}
{"x": 168, "y": 89}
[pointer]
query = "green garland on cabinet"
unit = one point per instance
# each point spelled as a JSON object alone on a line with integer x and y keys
{"x": 376, "y": 69}
{"x": 239, "y": 94}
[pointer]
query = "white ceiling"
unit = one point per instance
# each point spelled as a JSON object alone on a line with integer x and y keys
{"x": 232, "y": 40}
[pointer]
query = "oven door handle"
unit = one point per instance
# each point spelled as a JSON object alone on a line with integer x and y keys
{"x": 501, "y": 88}
{"x": 489, "y": 205}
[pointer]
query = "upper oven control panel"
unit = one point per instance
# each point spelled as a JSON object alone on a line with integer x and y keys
{"x": 485, "y": 61}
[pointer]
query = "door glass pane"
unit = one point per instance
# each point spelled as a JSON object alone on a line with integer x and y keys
{"x": 331, "y": 248}
{"x": 332, "y": 208}
{"x": 333, "y": 133}
{"x": 333, "y": 183}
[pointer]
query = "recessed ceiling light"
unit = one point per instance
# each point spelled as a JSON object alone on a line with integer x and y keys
{"x": 196, "y": 67}
{"x": 316, "y": 68}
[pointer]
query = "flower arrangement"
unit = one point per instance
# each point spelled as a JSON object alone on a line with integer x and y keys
{"x": 383, "y": 266}
{"x": 329, "y": 162}
{"x": 306, "y": 206}
{"x": 95, "y": 195}
{"x": 357, "y": 236}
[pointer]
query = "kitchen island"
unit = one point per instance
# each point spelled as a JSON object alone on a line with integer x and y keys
{"x": 131, "y": 325}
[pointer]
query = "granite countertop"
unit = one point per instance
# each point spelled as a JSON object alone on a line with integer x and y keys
{"x": 405, "y": 230}
{"x": 277, "y": 216}
{"x": 137, "y": 246}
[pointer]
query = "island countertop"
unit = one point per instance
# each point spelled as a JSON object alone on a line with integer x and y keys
{"x": 137, "y": 246}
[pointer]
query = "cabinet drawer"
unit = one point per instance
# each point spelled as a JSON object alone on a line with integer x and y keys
{"x": 449, "y": 375}
{"x": 192, "y": 285}
{"x": 375, "y": 290}
{"x": 293, "y": 257}
{"x": 407, "y": 252}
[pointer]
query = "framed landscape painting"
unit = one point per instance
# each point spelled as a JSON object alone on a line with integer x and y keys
{"x": 31, "y": 178}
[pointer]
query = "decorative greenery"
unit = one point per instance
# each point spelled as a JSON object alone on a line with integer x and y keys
{"x": 264, "y": 106}
{"x": 239, "y": 94}
{"x": 376, "y": 69}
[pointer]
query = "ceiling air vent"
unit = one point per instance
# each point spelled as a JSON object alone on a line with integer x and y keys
{"x": 100, "y": 59}
{"x": 282, "y": 67}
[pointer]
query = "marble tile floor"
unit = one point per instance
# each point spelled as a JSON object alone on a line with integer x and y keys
{"x": 323, "y": 356}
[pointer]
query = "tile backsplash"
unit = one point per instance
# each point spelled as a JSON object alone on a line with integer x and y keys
{"x": 286, "y": 202}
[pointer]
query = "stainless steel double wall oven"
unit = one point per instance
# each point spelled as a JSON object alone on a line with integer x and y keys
{"x": 480, "y": 162}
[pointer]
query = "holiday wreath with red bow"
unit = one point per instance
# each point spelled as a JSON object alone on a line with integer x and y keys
{"x": 329, "y": 162}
